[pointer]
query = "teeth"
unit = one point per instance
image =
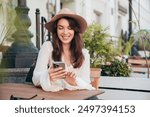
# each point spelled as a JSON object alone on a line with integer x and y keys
{"x": 65, "y": 37}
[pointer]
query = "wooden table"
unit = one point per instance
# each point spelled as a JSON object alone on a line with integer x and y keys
{"x": 27, "y": 91}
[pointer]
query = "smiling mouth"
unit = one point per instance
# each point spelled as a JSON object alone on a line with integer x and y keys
{"x": 65, "y": 38}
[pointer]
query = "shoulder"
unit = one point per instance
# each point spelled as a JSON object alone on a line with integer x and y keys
{"x": 47, "y": 45}
{"x": 85, "y": 52}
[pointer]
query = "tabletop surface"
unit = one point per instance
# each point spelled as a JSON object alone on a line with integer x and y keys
{"x": 27, "y": 91}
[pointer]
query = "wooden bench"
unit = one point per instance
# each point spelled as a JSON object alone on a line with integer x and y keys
{"x": 139, "y": 65}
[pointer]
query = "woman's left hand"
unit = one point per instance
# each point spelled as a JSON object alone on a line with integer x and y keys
{"x": 71, "y": 78}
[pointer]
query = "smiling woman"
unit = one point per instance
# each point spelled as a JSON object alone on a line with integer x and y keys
{"x": 67, "y": 47}
{"x": 64, "y": 31}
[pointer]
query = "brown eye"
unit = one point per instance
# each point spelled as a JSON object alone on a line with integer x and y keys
{"x": 60, "y": 27}
{"x": 70, "y": 28}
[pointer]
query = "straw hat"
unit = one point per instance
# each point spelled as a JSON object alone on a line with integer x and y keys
{"x": 65, "y": 12}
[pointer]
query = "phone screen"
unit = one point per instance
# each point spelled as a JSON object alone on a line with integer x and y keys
{"x": 58, "y": 64}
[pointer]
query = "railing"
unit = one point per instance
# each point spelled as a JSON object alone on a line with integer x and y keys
{"x": 43, "y": 32}
{"x": 43, "y": 21}
{"x": 37, "y": 28}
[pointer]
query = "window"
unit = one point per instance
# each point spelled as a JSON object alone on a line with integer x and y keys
{"x": 97, "y": 16}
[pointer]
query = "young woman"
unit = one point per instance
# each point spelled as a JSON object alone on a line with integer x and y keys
{"x": 66, "y": 46}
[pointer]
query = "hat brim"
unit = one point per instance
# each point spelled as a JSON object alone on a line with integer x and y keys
{"x": 80, "y": 20}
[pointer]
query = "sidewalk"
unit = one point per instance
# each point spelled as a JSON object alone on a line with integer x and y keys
{"x": 125, "y": 88}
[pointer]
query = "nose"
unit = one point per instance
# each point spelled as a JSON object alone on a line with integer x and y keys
{"x": 65, "y": 31}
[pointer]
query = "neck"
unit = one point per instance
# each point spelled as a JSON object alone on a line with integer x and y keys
{"x": 66, "y": 48}
{"x": 66, "y": 55}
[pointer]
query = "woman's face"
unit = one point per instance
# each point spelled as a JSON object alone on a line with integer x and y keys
{"x": 64, "y": 31}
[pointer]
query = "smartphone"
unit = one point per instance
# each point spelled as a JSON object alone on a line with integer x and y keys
{"x": 58, "y": 64}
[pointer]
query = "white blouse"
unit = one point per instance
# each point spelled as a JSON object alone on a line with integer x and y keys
{"x": 41, "y": 75}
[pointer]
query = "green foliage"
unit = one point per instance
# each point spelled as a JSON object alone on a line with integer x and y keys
{"x": 117, "y": 68}
{"x": 7, "y": 27}
{"x": 125, "y": 45}
{"x": 128, "y": 46}
{"x": 142, "y": 39}
{"x": 95, "y": 40}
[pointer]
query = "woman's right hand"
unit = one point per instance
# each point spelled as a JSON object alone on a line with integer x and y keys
{"x": 56, "y": 73}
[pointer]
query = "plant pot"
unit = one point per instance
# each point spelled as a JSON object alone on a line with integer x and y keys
{"x": 95, "y": 77}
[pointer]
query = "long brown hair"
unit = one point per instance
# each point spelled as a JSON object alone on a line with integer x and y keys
{"x": 77, "y": 56}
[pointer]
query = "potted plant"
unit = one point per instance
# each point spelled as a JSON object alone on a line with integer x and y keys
{"x": 143, "y": 41}
{"x": 100, "y": 49}
{"x": 116, "y": 69}
{"x": 142, "y": 38}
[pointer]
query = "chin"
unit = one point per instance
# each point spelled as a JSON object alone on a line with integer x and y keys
{"x": 66, "y": 41}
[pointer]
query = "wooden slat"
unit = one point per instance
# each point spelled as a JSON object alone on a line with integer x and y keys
{"x": 138, "y": 63}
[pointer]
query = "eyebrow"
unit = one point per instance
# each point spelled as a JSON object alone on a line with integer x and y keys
{"x": 63, "y": 26}
{"x": 60, "y": 25}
